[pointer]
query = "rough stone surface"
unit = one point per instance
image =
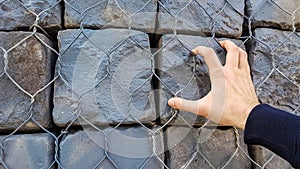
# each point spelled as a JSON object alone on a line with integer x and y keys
{"x": 199, "y": 17}
{"x": 29, "y": 65}
{"x": 127, "y": 148}
{"x": 272, "y": 46}
{"x": 268, "y": 13}
{"x": 265, "y": 157}
{"x": 34, "y": 151}
{"x": 217, "y": 146}
{"x": 112, "y": 80}
{"x": 14, "y": 15}
{"x": 276, "y": 90}
{"x": 98, "y": 14}
{"x": 177, "y": 75}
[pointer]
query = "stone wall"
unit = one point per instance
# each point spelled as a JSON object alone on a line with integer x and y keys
{"x": 85, "y": 84}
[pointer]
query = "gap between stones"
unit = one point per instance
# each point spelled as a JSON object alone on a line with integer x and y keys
{"x": 155, "y": 45}
{"x": 250, "y": 46}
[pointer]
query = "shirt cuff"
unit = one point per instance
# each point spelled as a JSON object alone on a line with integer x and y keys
{"x": 276, "y": 130}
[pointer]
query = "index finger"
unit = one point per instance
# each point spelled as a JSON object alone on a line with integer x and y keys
{"x": 210, "y": 57}
{"x": 233, "y": 52}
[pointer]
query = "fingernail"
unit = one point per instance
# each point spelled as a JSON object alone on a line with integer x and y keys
{"x": 171, "y": 102}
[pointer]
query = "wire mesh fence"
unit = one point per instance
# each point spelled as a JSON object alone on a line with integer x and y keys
{"x": 109, "y": 80}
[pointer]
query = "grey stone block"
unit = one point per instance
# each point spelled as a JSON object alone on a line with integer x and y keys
{"x": 177, "y": 76}
{"x": 28, "y": 151}
{"x": 275, "y": 14}
{"x": 202, "y": 17}
{"x": 104, "y": 79}
{"x": 29, "y": 65}
{"x": 273, "y": 48}
{"x": 205, "y": 148}
{"x": 14, "y": 14}
{"x": 127, "y": 147}
{"x": 108, "y": 14}
{"x": 267, "y": 158}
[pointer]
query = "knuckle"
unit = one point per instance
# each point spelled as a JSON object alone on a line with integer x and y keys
{"x": 227, "y": 41}
{"x": 229, "y": 71}
{"x": 210, "y": 50}
{"x": 234, "y": 48}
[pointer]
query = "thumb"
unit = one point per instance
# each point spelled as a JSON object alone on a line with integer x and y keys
{"x": 192, "y": 106}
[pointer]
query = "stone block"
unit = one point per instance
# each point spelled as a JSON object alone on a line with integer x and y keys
{"x": 26, "y": 151}
{"x": 267, "y": 158}
{"x": 127, "y": 147}
{"x": 109, "y": 14}
{"x": 275, "y": 67}
{"x": 21, "y": 14}
{"x": 30, "y": 66}
{"x": 183, "y": 75}
{"x": 106, "y": 79}
{"x": 274, "y": 14}
{"x": 205, "y": 148}
{"x": 225, "y": 18}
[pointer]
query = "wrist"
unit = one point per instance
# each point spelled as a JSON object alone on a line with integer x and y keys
{"x": 245, "y": 115}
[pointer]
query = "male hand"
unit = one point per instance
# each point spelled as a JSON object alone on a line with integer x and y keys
{"x": 232, "y": 95}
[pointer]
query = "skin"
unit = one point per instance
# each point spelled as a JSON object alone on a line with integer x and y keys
{"x": 232, "y": 95}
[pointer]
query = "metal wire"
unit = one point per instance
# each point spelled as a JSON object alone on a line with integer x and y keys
{"x": 78, "y": 112}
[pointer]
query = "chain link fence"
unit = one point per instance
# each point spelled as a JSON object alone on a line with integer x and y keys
{"x": 85, "y": 84}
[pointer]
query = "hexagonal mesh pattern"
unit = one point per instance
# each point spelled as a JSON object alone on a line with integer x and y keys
{"x": 85, "y": 84}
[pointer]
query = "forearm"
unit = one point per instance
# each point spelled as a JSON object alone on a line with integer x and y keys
{"x": 276, "y": 130}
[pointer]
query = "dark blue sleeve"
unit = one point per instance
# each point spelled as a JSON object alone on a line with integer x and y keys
{"x": 276, "y": 130}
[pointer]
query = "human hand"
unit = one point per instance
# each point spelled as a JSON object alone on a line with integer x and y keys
{"x": 232, "y": 95}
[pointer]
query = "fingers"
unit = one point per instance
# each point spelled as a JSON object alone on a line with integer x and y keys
{"x": 233, "y": 52}
{"x": 184, "y": 105}
{"x": 243, "y": 63}
{"x": 236, "y": 57}
{"x": 210, "y": 57}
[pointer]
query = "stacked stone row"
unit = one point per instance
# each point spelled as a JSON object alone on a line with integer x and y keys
{"x": 84, "y": 84}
